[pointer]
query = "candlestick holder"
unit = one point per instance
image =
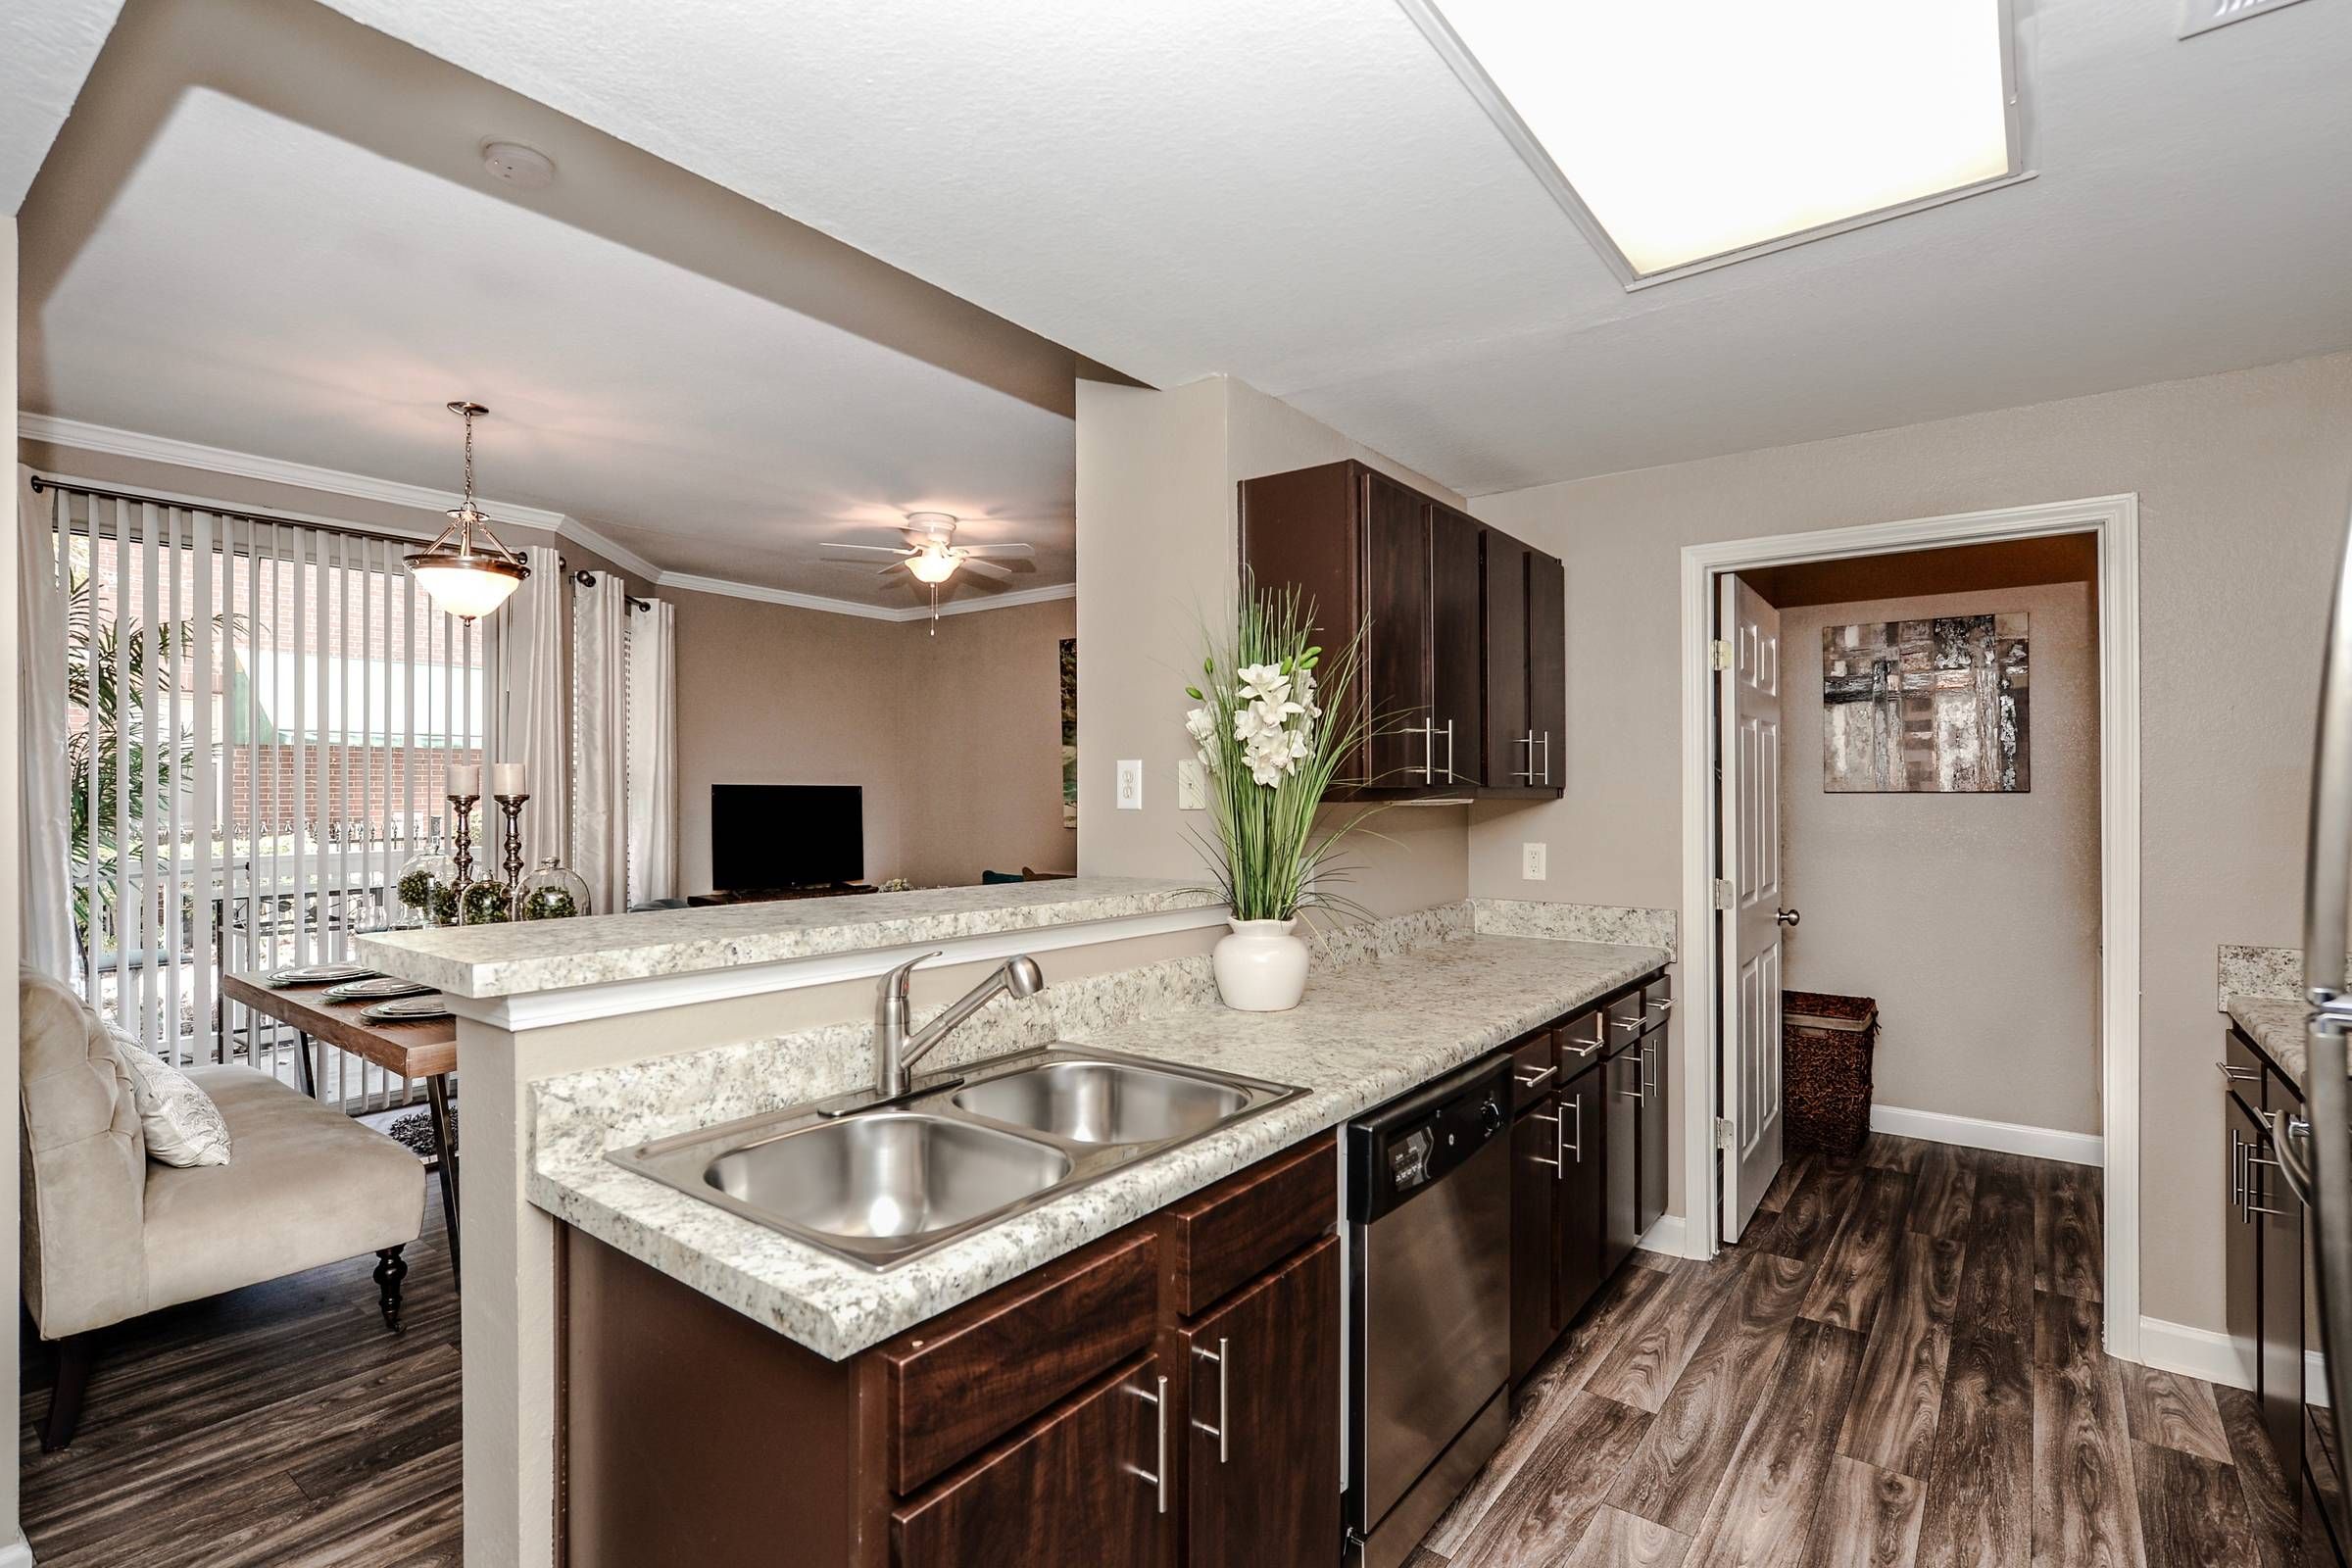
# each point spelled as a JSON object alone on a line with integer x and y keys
{"x": 461, "y": 812}
{"x": 511, "y": 805}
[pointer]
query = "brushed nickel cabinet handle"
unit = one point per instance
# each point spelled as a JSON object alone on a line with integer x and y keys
{"x": 2236, "y": 1074}
{"x": 1527, "y": 774}
{"x": 1224, "y": 1420}
{"x": 1532, "y": 1082}
{"x": 1158, "y": 1479}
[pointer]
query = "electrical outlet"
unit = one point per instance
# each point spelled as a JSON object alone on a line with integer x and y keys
{"x": 1131, "y": 785}
{"x": 1530, "y": 862}
{"x": 1192, "y": 786}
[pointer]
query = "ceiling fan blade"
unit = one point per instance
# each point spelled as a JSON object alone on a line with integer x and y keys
{"x": 986, "y": 568}
{"x": 896, "y": 566}
{"x": 1011, "y": 552}
{"x": 847, "y": 550}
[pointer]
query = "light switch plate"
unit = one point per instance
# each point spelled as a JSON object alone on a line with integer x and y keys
{"x": 1192, "y": 786}
{"x": 1530, "y": 862}
{"x": 1131, "y": 785}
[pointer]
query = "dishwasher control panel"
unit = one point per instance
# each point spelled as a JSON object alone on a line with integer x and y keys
{"x": 1412, "y": 1142}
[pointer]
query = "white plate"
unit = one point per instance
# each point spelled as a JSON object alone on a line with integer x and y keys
{"x": 322, "y": 974}
{"x": 381, "y": 989}
{"x": 407, "y": 1009}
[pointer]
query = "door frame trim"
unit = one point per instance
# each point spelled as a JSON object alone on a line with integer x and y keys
{"x": 2114, "y": 520}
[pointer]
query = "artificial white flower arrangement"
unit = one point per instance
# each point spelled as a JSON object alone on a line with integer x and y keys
{"x": 1272, "y": 751}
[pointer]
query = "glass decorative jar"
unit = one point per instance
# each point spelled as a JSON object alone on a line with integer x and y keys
{"x": 552, "y": 893}
{"x": 485, "y": 902}
{"x": 426, "y": 892}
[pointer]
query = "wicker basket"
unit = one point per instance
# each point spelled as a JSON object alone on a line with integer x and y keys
{"x": 1827, "y": 1043}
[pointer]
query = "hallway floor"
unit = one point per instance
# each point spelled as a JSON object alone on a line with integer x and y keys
{"x": 1899, "y": 1366}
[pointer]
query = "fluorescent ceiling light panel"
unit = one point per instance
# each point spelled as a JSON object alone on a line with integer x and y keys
{"x": 1691, "y": 130}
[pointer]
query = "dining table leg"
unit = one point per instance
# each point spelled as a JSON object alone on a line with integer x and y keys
{"x": 302, "y": 1065}
{"x": 445, "y": 1142}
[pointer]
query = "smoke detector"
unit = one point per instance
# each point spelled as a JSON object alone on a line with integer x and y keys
{"x": 523, "y": 167}
{"x": 2203, "y": 16}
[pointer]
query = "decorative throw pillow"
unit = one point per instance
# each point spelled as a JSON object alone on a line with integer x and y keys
{"x": 181, "y": 1125}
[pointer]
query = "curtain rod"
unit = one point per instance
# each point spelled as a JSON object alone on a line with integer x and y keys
{"x": 587, "y": 579}
{"x": 414, "y": 541}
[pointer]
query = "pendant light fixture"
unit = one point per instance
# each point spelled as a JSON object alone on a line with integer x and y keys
{"x": 467, "y": 571}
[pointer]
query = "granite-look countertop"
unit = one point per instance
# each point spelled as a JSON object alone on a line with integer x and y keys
{"x": 533, "y": 956}
{"x": 1365, "y": 1034}
{"x": 2276, "y": 1024}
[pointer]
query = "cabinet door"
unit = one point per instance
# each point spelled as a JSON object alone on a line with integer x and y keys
{"x": 1622, "y": 1076}
{"x": 2241, "y": 1242}
{"x": 1396, "y": 638}
{"x": 1649, "y": 1187}
{"x": 1548, "y": 666}
{"x": 2280, "y": 1220}
{"x": 1261, "y": 1476}
{"x": 1079, "y": 1484}
{"x": 1536, "y": 1192}
{"x": 1456, "y": 646}
{"x": 1581, "y": 1265}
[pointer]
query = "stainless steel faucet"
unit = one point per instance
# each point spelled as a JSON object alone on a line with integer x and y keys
{"x": 896, "y": 1052}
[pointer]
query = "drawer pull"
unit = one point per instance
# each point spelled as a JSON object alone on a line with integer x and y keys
{"x": 1532, "y": 1082}
{"x": 1223, "y": 1423}
{"x": 1587, "y": 1050}
{"x": 1662, "y": 1005}
{"x": 1157, "y": 1478}
{"x": 1576, "y": 1107}
{"x": 1625, "y": 1024}
{"x": 2236, "y": 1074}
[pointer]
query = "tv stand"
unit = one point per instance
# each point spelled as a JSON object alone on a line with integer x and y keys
{"x": 837, "y": 890}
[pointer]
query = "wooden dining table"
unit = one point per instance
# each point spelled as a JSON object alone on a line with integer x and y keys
{"x": 426, "y": 1048}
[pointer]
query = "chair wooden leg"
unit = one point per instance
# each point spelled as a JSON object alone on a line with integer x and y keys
{"x": 390, "y": 1269}
{"x": 74, "y": 1354}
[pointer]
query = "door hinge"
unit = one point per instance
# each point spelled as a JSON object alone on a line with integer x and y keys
{"x": 1721, "y": 890}
{"x": 1723, "y": 1132}
{"x": 1721, "y": 652}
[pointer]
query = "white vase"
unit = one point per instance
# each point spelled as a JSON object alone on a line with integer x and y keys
{"x": 1261, "y": 965}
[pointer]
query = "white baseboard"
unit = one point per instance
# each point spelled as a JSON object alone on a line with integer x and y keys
{"x": 1666, "y": 1236}
{"x": 18, "y": 1553}
{"x": 2206, "y": 1355}
{"x": 2002, "y": 1137}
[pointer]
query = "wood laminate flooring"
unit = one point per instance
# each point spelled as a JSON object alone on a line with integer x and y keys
{"x": 280, "y": 1424}
{"x": 1897, "y": 1367}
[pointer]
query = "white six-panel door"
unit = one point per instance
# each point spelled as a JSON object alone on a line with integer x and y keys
{"x": 1749, "y": 699}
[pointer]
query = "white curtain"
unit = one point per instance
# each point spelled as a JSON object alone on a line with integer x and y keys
{"x": 600, "y": 742}
{"x": 529, "y": 662}
{"x": 653, "y": 754}
{"x": 45, "y": 889}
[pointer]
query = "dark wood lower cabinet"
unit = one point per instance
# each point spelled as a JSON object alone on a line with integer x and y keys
{"x": 1534, "y": 1239}
{"x": 2242, "y": 1241}
{"x": 1262, "y": 1442}
{"x": 1581, "y": 1218}
{"x": 1076, "y": 1485}
{"x": 1649, "y": 1180}
{"x": 2280, "y": 1218}
{"x": 1621, "y": 1099}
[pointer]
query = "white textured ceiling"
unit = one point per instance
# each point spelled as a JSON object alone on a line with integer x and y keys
{"x": 1300, "y": 194}
{"x": 46, "y": 47}
{"x": 259, "y": 285}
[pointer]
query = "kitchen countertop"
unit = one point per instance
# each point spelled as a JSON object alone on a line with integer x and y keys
{"x": 522, "y": 957}
{"x": 2276, "y": 1024}
{"x": 1365, "y": 1034}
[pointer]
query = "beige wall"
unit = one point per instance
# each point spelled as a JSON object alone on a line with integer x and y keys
{"x": 11, "y": 864}
{"x": 956, "y": 738}
{"x": 2241, "y": 479}
{"x": 1157, "y": 556}
{"x": 1973, "y": 918}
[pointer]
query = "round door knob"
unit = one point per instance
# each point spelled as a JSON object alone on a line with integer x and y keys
{"x": 1787, "y": 917}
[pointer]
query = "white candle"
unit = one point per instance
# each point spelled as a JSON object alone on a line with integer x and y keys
{"x": 464, "y": 778}
{"x": 505, "y": 778}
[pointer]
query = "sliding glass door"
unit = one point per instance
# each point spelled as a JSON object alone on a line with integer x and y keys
{"x": 259, "y": 718}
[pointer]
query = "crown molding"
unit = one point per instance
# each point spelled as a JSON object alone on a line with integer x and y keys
{"x": 81, "y": 435}
{"x": 87, "y": 437}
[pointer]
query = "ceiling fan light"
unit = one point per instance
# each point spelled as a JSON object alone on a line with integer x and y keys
{"x": 932, "y": 566}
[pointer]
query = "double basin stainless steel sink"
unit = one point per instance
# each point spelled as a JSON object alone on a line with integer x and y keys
{"x": 879, "y": 1185}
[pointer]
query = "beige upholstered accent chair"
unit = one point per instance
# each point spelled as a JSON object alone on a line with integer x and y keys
{"x": 108, "y": 1233}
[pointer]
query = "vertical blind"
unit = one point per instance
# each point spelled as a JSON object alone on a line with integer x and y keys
{"x": 260, "y": 716}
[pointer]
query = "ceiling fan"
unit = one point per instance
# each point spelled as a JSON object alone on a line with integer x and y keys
{"x": 931, "y": 555}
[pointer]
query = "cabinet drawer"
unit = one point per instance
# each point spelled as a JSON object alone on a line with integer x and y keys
{"x": 2241, "y": 1067}
{"x": 1657, "y": 1002}
{"x": 1583, "y": 1039}
{"x": 1227, "y": 1234}
{"x": 1627, "y": 1018}
{"x": 1535, "y": 1068}
{"x": 1081, "y": 1484}
{"x": 973, "y": 1374}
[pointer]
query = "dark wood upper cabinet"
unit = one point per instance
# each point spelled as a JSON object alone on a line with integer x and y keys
{"x": 1263, "y": 1444}
{"x": 1446, "y": 604}
{"x": 1548, "y": 669}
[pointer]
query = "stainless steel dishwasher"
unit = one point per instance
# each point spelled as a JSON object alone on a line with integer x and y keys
{"x": 1429, "y": 1322}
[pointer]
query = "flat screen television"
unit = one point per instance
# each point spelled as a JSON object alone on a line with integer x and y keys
{"x": 771, "y": 836}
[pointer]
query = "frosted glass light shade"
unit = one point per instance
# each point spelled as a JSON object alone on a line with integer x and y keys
{"x": 930, "y": 566}
{"x": 465, "y": 589}
{"x": 1691, "y": 129}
